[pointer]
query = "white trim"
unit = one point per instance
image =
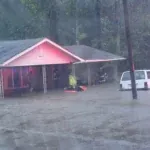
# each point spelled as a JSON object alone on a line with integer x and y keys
{"x": 105, "y": 60}
{"x": 38, "y": 44}
{"x": 100, "y": 60}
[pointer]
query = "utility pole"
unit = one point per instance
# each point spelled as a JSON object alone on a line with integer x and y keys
{"x": 77, "y": 24}
{"x": 130, "y": 53}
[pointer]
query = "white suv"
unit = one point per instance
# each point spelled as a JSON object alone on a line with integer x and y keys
{"x": 142, "y": 78}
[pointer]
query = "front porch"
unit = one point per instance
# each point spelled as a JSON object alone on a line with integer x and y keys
{"x": 15, "y": 80}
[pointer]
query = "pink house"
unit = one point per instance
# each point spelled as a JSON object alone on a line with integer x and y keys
{"x": 40, "y": 56}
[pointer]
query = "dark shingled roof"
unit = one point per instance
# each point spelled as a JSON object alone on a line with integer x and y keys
{"x": 89, "y": 53}
{"x": 9, "y": 49}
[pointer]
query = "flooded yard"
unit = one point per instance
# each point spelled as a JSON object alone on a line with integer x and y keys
{"x": 102, "y": 118}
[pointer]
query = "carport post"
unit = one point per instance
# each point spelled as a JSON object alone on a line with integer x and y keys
{"x": 89, "y": 73}
{"x": 73, "y": 69}
{"x": 44, "y": 79}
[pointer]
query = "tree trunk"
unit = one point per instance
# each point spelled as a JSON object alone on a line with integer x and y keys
{"x": 53, "y": 21}
{"x": 145, "y": 12}
{"x": 77, "y": 24}
{"x": 98, "y": 21}
{"x": 117, "y": 20}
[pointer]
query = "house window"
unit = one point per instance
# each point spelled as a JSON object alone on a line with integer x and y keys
{"x": 18, "y": 77}
{"x": 10, "y": 77}
{"x": 10, "y": 81}
{"x": 148, "y": 74}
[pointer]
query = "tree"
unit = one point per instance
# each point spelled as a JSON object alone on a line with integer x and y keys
{"x": 14, "y": 25}
{"x": 97, "y": 23}
{"x": 48, "y": 10}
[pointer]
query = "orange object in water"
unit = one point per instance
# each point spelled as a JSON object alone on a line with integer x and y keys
{"x": 84, "y": 88}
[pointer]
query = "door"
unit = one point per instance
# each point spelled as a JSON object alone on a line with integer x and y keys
{"x": 16, "y": 77}
{"x": 49, "y": 76}
{"x": 38, "y": 77}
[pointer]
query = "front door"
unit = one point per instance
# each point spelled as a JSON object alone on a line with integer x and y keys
{"x": 16, "y": 77}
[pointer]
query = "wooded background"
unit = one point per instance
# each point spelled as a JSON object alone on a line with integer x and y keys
{"x": 97, "y": 23}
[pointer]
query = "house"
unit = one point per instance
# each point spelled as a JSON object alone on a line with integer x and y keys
{"x": 41, "y": 57}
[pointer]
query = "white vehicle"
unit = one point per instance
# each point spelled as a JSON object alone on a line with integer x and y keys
{"x": 142, "y": 78}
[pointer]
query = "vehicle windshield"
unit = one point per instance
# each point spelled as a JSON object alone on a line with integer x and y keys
{"x": 139, "y": 75}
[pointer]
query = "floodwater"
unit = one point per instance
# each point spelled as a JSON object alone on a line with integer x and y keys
{"x": 102, "y": 118}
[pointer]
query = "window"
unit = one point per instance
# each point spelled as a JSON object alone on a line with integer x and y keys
{"x": 139, "y": 75}
{"x": 126, "y": 76}
{"x": 148, "y": 74}
{"x": 10, "y": 82}
{"x": 9, "y": 72}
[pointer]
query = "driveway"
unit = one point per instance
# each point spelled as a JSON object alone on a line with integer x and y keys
{"x": 102, "y": 118}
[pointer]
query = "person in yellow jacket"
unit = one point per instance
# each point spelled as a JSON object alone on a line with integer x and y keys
{"x": 72, "y": 81}
{"x": 73, "y": 85}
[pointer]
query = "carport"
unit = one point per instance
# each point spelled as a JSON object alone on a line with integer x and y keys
{"x": 93, "y": 58}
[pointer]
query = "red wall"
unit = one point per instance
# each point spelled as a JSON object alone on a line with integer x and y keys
{"x": 43, "y": 54}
